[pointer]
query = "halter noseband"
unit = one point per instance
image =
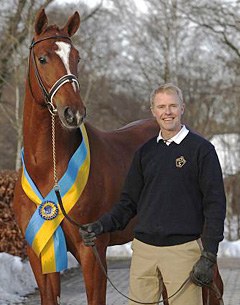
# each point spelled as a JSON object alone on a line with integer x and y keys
{"x": 48, "y": 96}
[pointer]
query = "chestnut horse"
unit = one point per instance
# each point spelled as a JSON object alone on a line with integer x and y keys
{"x": 52, "y": 89}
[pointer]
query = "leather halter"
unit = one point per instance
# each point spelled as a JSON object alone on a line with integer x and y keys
{"x": 48, "y": 96}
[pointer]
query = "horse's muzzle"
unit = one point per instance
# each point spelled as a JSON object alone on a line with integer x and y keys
{"x": 73, "y": 119}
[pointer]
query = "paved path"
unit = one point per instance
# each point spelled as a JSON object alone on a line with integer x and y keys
{"x": 230, "y": 272}
{"x": 73, "y": 292}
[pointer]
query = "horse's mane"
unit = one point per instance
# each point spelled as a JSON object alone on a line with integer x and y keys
{"x": 136, "y": 124}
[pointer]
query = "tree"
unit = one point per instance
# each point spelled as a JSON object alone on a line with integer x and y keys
{"x": 16, "y": 34}
{"x": 233, "y": 210}
{"x": 218, "y": 22}
{"x": 165, "y": 44}
{"x": 16, "y": 28}
{"x": 126, "y": 52}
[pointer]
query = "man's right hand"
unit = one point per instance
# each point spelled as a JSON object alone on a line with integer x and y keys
{"x": 90, "y": 231}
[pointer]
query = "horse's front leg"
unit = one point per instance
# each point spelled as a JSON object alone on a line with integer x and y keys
{"x": 214, "y": 295}
{"x": 94, "y": 277}
{"x": 48, "y": 284}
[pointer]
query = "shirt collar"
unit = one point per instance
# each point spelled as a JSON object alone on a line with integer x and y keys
{"x": 177, "y": 138}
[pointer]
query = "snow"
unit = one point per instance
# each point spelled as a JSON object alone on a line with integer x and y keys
{"x": 228, "y": 150}
{"x": 17, "y": 280}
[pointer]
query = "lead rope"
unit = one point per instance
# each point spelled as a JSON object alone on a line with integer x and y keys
{"x": 55, "y": 177}
{"x": 128, "y": 298}
{"x": 94, "y": 248}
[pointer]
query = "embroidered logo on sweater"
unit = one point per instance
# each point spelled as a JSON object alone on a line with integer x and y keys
{"x": 180, "y": 162}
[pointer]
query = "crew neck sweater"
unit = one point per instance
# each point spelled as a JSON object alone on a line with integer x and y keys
{"x": 177, "y": 193}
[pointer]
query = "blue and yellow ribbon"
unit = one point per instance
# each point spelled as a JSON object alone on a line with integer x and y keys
{"x": 44, "y": 233}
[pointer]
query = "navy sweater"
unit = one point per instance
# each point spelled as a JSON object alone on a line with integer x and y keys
{"x": 174, "y": 202}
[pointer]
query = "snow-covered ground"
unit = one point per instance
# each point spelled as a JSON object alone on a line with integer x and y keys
{"x": 17, "y": 280}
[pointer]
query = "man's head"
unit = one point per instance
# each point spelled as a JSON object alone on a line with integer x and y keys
{"x": 167, "y": 107}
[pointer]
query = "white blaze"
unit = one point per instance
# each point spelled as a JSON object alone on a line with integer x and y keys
{"x": 64, "y": 52}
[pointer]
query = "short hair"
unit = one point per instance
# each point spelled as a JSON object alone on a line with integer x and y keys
{"x": 166, "y": 88}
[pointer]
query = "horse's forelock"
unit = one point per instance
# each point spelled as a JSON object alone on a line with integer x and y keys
{"x": 51, "y": 30}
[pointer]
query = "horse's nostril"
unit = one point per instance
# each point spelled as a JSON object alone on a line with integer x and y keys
{"x": 69, "y": 116}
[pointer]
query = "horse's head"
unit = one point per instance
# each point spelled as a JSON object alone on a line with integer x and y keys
{"x": 53, "y": 70}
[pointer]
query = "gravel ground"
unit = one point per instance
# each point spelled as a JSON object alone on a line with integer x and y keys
{"x": 73, "y": 292}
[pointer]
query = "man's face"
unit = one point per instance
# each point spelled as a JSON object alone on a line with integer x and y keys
{"x": 168, "y": 110}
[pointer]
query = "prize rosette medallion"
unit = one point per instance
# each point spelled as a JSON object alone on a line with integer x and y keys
{"x": 48, "y": 210}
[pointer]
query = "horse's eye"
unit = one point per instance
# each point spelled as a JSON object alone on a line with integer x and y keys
{"x": 79, "y": 58}
{"x": 42, "y": 60}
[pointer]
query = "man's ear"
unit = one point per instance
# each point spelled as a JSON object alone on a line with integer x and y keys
{"x": 182, "y": 108}
{"x": 152, "y": 110}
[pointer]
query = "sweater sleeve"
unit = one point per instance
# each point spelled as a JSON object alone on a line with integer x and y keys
{"x": 214, "y": 200}
{"x": 126, "y": 208}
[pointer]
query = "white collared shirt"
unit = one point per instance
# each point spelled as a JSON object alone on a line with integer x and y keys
{"x": 177, "y": 138}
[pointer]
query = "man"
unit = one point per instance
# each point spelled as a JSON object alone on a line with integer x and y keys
{"x": 175, "y": 188}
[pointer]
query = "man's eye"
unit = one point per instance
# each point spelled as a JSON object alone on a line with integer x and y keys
{"x": 42, "y": 60}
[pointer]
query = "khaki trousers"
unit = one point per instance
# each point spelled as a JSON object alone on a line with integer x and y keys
{"x": 151, "y": 266}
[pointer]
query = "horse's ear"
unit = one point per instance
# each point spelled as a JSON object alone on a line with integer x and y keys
{"x": 41, "y": 22}
{"x": 72, "y": 24}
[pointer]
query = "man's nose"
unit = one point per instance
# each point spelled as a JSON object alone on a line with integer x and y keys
{"x": 168, "y": 110}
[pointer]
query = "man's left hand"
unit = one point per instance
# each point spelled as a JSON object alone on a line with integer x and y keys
{"x": 203, "y": 271}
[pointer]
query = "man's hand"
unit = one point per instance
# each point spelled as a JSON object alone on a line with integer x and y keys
{"x": 203, "y": 271}
{"x": 90, "y": 231}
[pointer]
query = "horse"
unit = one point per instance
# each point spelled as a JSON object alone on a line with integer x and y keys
{"x": 53, "y": 102}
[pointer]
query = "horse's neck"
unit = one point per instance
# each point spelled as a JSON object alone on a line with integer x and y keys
{"x": 38, "y": 145}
